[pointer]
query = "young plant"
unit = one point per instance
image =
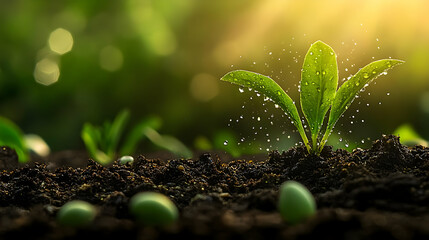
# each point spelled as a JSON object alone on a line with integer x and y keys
{"x": 296, "y": 203}
{"x": 102, "y": 142}
{"x": 153, "y": 208}
{"x": 76, "y": 213}
{"x": 11, "y": 136}
{"x": 319, "y": 80}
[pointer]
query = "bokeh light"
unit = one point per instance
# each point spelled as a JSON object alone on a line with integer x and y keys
{"x": 111, "y": 58}
{"x": 204, "y": 87}
{"x": 60, "y": 41}
{"x": 46, "y": 72}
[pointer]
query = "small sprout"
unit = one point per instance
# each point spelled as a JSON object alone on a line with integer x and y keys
{"x": 76, "y": 213}
{"x": 102, "y": 141}
{"x": 153, "y": 208}
{"x": 295, "y": 202}
{"x": 126, "y": 159}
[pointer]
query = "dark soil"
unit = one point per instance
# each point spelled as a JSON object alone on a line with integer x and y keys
{"x": 379, "y": 193}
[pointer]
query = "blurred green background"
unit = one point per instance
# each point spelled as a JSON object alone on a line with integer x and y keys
{"x": 64, "y": 63}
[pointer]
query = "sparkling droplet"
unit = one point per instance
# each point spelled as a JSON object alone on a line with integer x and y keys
{"x": 241, "y": 90}
{"x": 225, "y": 143}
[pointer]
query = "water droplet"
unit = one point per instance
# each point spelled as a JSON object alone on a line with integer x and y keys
{"x": 317, "y": 73}
{"x": 362, "y": 141}
{"x": 258, "y": 119}
{"x": 341, "y": 139}
{"x": 346, "y": 145}
{"x": 311, "y": 53}
{"x": 346, "y": 69}
{"x": 365, "y": 75}
{"x": 323, "y": 73}
{"x": 379, "y": 103}
{"x": 241, "y": 90}
{"x": 357, "y": 84}
{"x": 388, "y": 94}
{"x": 225, "y": 143}
{"x": 270, "y": 53}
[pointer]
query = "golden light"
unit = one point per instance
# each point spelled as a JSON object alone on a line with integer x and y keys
{"x": 204, "y": 87}
{"x": 111, "y": 58}
{"x": 60, "y": 41}
{"x": 46, "y": 72}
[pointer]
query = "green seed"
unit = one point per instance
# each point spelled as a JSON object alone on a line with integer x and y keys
{"x": 295, "y": 202}
{"x": 76, "y": 213}
{"x": 126, "y": 159}
{"x": 153, "y": 208}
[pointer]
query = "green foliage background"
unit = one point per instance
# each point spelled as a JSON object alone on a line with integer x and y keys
{"x": 174, "y": 52}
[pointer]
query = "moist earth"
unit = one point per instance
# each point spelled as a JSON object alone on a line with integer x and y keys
{"x": 378, "y": 193}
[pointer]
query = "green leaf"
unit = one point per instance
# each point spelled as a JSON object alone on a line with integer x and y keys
{"x": 350, "y": 89}
{"x": 270, "y": 89}
{"x": 114, "y": 132}
{"x": 11, "y": 136}
{"x": 137, "y": 134}
{"x": 319, "y": 80}
{"x": 167, "y": 142}
{"x": 91, "y": 137}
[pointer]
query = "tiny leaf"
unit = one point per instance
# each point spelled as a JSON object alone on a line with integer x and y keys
{"x": 319, "y": 80}
{"x": 137, "y": 134}
{"x": 114, "y": 132}
{"x": 270, "y": 89}
{"x": 350, "y": 89}
{"x": 11, "y": 136}
{"x": 167, "y": 142}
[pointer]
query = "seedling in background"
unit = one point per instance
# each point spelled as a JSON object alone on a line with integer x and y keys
{"x": 76, "y": 213}
{"x": 296, "y": 203}
{"x": 153, "y": 208}
{"x": 319, "y": 80}
{"x": 102, "y": 142}
{"x": 11, "y": 136}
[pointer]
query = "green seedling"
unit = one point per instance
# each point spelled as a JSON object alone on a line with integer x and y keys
{"x": 126, "y": 159}
{"x": 153, "y": 209}
{"x": 319, "y": 80}
{"x": 102, "y": 142}
{"x": 11, "y": 136}
{"x": 295, "y": 202}
{"x": 76, "y": 213}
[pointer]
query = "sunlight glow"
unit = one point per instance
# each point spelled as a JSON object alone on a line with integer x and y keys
{"x": 204, "y": 87}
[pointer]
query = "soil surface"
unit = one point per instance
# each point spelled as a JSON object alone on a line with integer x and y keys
{"x": 378, "y": 193}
